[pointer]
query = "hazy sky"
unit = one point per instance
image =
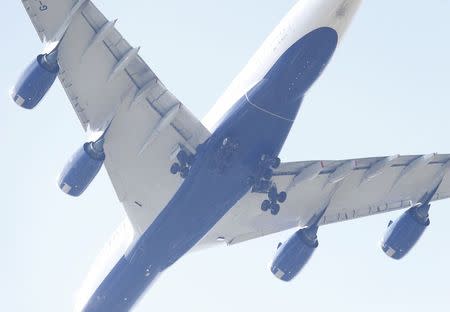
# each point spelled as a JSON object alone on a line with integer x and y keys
{"x": 385, "y": 92}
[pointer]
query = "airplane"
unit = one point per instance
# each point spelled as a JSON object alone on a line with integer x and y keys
{"x": 187, "y": 184}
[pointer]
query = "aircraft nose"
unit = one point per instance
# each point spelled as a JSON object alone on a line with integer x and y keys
{"x": 342, "y": 14}
{"x": 336, "y": 14}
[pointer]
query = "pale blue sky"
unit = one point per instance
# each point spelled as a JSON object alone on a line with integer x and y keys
{"x": 385, "y": 92}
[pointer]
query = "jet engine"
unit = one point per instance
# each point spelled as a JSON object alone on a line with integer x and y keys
{"x": 405, "y": 232}
{"x": 83, "y": 167}
{"x": 293, "y": 255}
{"x": 36, "y": 80}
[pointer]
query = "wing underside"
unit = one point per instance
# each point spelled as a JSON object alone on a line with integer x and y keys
{"x": 345, "y": 190}
{"x": 111, "y": 87}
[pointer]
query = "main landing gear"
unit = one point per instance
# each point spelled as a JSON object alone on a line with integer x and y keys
{"x": 274, "y": 201}
{"x": 183, "y": 165}
{"x": 263, "y": 184}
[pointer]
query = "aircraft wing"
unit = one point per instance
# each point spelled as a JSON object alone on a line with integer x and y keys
{"x": 111, "y": 88}
{"x": 345, "y": 190}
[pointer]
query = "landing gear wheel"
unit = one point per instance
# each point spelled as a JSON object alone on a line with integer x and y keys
{"x": 282, "y": 197}
{"x": 183, "y": 157}
{"x": 276, "y": 163}
{"x": 184, "y": 172}
{"x": 274, "y": 209}
{"x": 190, "y": 159}
{"x": 273, "y": 194}
{"x": 266, "y": 205}
{"x": 175, "y": 168}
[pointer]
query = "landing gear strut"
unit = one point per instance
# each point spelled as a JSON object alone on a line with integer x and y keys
{"x": 263, "y": 184}
{"x": 183, "y": 165}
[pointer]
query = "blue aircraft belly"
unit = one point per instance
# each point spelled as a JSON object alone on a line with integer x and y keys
{"x": 259, "y": 123}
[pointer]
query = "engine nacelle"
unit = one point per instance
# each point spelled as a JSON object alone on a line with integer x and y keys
{"x": 36, "y": 80}
{"x": 82, "y": 169}
{"x": 405, "y": 232}
{"x": 293, "y": 255}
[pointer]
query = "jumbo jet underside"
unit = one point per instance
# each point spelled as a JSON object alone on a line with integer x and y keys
{"x": 189, "y": 184}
